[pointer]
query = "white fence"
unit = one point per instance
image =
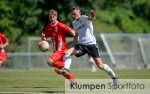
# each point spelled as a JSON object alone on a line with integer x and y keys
{"x": 121, "y": 51}
{"x": 128, "y": 50}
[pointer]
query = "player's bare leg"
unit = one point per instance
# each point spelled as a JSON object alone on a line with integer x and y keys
{"x": 66, "y": 74}
{"x": 107, "y": 69}
{"x": 68, "y": 60}
{"x": 58, "y": 70}
{"x": 50, "y": 62}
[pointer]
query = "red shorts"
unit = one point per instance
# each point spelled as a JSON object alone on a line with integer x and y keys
{"x": 58, "y": 56}
{"x": 1, "y": 55}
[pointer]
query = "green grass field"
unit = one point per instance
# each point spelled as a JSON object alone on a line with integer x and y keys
{"x": 39, "y": 82}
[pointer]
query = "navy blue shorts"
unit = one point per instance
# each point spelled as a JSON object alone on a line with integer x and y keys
{"x": 91, "y": 50}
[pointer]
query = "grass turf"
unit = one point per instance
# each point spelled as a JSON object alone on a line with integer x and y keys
{"x": 36, "y": 82}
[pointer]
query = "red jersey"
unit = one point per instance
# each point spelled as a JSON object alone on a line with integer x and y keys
{"x": 57, "y": 33}
{"x": 3, "y": 39}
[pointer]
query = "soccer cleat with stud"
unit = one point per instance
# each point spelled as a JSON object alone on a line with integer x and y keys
{"x": 115, "y": 81}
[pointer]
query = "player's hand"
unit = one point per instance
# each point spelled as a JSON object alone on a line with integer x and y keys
{"x": 92, "y": 15}
{"x": 75, "y": 40}
{"x": 43, "y": 36}
{"x": 76, "y": 37}
{"x": 40, "y": 43}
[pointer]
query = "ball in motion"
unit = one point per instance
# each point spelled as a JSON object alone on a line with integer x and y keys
{"x": 44, "y": 45}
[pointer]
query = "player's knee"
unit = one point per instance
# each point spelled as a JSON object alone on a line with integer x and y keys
{"x": 77, "y": 53}
{"x": 50, "y": 62}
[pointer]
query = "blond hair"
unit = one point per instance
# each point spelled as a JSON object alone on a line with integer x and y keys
{"x": 53, "y": 12}
{"x": 74, "y": 7}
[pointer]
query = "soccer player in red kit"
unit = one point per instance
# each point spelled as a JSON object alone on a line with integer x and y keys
{"x": 3, "y": 44}
{"x": 57, "y": 31}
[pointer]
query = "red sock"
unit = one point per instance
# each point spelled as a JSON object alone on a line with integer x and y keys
{"x": 59, "y": 64}
{"x": 69, "y": 77}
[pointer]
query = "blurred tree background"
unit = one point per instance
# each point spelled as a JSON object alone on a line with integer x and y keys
{"x": 22, "y": 18}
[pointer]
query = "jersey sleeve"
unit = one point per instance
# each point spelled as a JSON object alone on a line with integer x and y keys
{"x": 65, "y": 28}
{"x": 85, "y": 18}
{"x": 4, "y": 39}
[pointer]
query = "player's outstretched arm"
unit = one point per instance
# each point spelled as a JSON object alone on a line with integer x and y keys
{"x": 75, "y": 40}
{"x": 92, "y": 15}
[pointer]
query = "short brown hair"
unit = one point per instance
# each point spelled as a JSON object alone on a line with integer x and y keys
{"x": 74, "y": 7}
{"x": 53, "y": 12}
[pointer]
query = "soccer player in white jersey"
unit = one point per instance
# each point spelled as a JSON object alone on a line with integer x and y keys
{"x": 82, "y": 24}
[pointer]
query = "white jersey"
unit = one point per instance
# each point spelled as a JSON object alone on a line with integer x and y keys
{"x": 84, "y": 27}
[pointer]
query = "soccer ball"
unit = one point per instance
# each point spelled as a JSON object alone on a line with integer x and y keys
{"x": 44, "y": 45}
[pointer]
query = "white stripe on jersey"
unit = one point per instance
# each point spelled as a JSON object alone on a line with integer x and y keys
{"x": 84, "y": 27}
{"x": 60, "y": 44}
